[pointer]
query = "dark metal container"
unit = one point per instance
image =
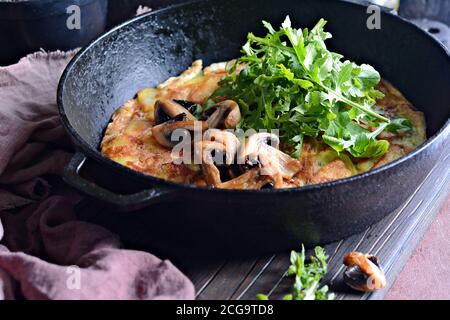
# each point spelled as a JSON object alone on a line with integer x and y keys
{"x": 147, "y": 50}
{"x": 28, "y": 25}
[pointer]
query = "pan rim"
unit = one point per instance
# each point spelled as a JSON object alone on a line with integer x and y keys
{"x": 156, "y": 183}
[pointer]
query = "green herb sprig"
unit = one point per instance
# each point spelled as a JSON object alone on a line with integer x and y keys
{"x": 293, "y": 83}
{"x": 307, "y": 277}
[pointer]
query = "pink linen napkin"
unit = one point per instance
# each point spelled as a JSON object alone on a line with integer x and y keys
{"x": 45, "y": 253}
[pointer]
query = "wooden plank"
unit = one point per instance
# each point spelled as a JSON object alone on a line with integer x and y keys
{"x": 268, "y": 278}
{"x": 354, "y": 243}
{"x": 202, "y": 273}
{"x": 410, "y": 239}
{"x": 268, "y": 274}
{"x": 392, "y": 240}
{"x": 260, "y": 267}
{"x": 284, "y": 286}
{"x": 225, "y": 283}
{"x": 397, "y": 243}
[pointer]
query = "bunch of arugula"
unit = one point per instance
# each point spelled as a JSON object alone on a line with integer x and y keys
{"x": 307, "y": 277}
{"x": 293, "y": 83}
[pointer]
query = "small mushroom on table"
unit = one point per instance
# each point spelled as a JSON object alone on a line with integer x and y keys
{"x": 363, "y": 272}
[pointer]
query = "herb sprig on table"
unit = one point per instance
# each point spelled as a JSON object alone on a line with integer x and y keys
{"x": 293, "y": 83}
{"x": 307, "y": 277}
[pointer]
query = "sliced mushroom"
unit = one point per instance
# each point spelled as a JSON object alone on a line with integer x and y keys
{"x": 277, "y": 163}
{"x": 163, "y": 133}
{"x": 254, "y": 144}
{"x": 252, "y": 179}
{"x": 218, "y": 148}
{"x": 188, "y": 105}
{"x": 210, "y": 152}
{"x": 228, "y": 139}
{"x": 363, "y": 272}
{"x": 166, "y": 110}
{"x": 272, "y": 161}
{"x": 224, "y": 115}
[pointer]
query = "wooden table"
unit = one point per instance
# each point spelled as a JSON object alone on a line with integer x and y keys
{"x": 218, "y": 276}
{"x": 392, "y": 240}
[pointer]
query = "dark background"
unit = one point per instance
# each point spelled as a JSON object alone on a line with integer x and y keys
{"x": 120, "y": 10}
{"x": 28, "y": 26}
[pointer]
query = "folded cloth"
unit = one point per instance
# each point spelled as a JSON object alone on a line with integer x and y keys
{"x": 45, "y": 250}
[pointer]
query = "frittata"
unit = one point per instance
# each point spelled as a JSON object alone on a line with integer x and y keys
{"x": 130, "y": 141}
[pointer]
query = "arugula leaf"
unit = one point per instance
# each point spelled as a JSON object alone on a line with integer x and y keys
{"x": 293, "y": 83}
{"x": 307, "y": 277}
{"x": 399, "y": 125}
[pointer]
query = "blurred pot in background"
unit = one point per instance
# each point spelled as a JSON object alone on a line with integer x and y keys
{"x": 429, "y": 9}
{"x": 393, "y": 4}
{"x": 431, "y": 15}
{"x": 29, "y": 25}
{"x": 417, "y": 9}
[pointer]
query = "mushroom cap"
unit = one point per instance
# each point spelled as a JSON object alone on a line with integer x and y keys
{"x": 228, "y": 139}
{"x": 253, "y": 145}
{"x": 163, "y": 133}
{"x": 273, "y": 162}
{"x": 251, "y": 179}
{"x": 363, "y": 272}
{"x": 209, "y": 152}
{"x": 216, "y": 146}
{"x": 188, "y": 105}
{"x": 166, "y": 109}
{"x": 223, "y": 115}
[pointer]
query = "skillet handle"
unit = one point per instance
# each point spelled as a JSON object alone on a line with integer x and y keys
{"x": 120, "y": 201}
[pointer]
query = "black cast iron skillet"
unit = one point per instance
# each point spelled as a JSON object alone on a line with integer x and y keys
{"x": 147, "y": 50}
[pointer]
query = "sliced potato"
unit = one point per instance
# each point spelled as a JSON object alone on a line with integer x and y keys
{"x": 146, "y": 99}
